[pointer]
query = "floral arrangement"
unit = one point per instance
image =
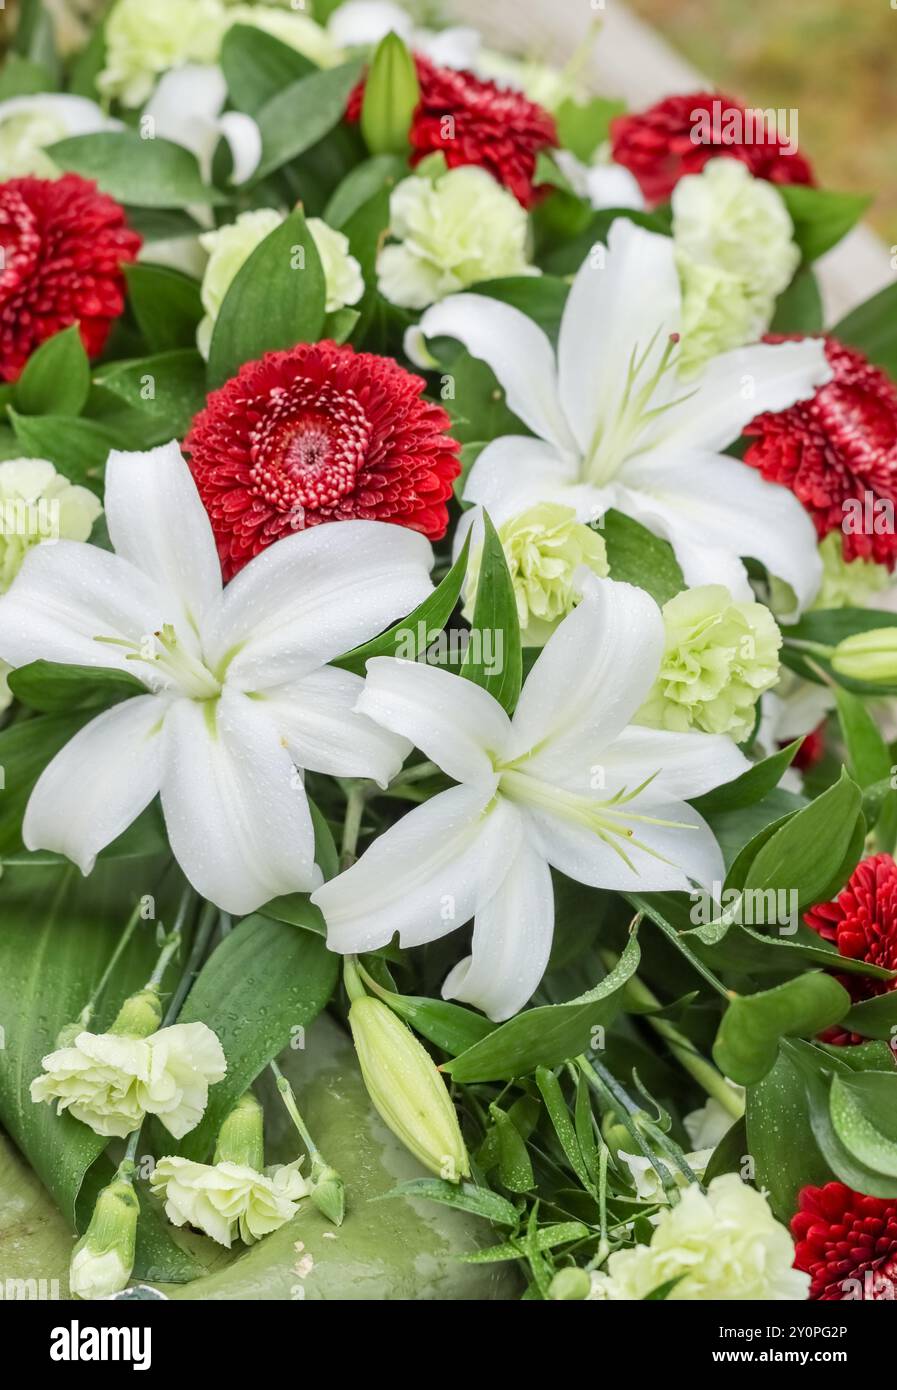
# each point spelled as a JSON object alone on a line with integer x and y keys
{"x": 449, "y": 661}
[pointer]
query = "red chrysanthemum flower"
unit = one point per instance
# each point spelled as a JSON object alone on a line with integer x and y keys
{"x": 472, "y": 121}
{"x": 862, "y": 923}
{"x": 838, "y": 447}
{"x": 319, "y": 433}
{"x": 63, "y": 246}
{"x": 810, "y": 751}
{"x": 659, "y": 146}
{"x": 847, "y": 1243}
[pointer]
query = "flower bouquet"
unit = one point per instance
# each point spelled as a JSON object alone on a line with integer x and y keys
{"x": 447, "y": 806}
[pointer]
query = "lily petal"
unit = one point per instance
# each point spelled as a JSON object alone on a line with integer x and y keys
{"x": 430, "y": 873}
{"x": 511, "y": 940}
{"x": 517, "y": 350}
{"x": 456, "y": 723}
{"x": 315, "y": 595}
{"x": 680, "y": 765}
{"x": 615, "y": 309}
{"x": 317, "y": 717}
{"x": 516, "y": 472}
{"x": 68, "y": 594}
{"x": 686, "y": 854}
{"x": 235, "y": 808}
{"x": 99, "y": 783}
{"x": 157, "y": 522}
{"x": 589, "y": 679}
{"x": 185, "y": 108}
{"x": 245, "y": 141}
{"x": 707, "y": 505}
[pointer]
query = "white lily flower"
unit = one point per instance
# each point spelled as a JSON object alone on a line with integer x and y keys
{"x": 604, "y": 183}
{"x": 186, "y": 107}
{"x": 566, "y": 782}
{"x": 614, "y": 426}
{"x": 239, "y": 692}
{"x": 360, "y": 23}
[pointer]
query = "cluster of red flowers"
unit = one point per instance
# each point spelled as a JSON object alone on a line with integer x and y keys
{"x": 836, "y": 449}
{"x": 319, "y": 433}
{"x": 677, "y": 136}
{"x": 63, "y": 246}
{"x": 847, "y": 1243}
{"x": 472, "y": 121}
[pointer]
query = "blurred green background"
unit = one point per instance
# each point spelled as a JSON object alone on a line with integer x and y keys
{"x": 834, "y": 60}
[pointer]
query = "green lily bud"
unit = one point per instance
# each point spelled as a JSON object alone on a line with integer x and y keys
{"x": 569, "y": 1286}
{"x": 241, "y": 1137}
{"x": 104, "y": 1256}
{"x": 139, "y": 1015}
{"x": 328, "y": 1191}
{"x": 868, "y": 656}
{"x": 616, "y": 1136}
{"x": 391, "y": 95}
{"x": 407, "y": 1090}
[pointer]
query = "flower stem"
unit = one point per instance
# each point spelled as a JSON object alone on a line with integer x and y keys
{"x": 289, "y": 1100}
{"x": 352, "y": 974}
{"x": 207, "y": 921}
{"x": 86, "y": 1014}
{"x": 355, "y": 800}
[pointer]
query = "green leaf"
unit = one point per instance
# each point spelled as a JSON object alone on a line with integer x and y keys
{"x": 872, "y": 327}
{"x": 78, "y": 448}
{"x": 729, "y": 1154}
{"x": 818, "y": 1071}
{"x": 382, "y": 171}
{"x": 366, "y": 229}
{"x": 56, "y": 379}
{"x": 462, "y": 1196}
{"x": 391, "y": 95}
{"x": 546, "y": 1036}
{"x": 291, "y": 971}
{"x": 636, "y": 556}
{"x": 747, "y": 1042}
{"x": 514, "y": 1166}
{"x": 799, "y": 308}
{"x": 148, "y": 173}
{"x": 559, "y": 1114}
{"x": 57, "y": 689}
{"x": 410, "y": 638}
{"x": 166, "y": 305}
{"x": 821, "y": 217}
{"x": 257, "y": 66}
{"x": 750, "y": 786}
{"x": 874, "y": 1018}
{"x": 302, "y": 114}
{"x": 446, "y": 1025}
{"x": 21, "y": 77}
{"x": 863, "y": 1109}
{"x": 169, "y": 384}
{"x": 869, "y": 762}
{"x": 800, "y": 854}
{"x": 276, "y": 299}
{"x": 780, "y": 1138}
{"x": 25, "y": 749}
{"x": 583, "y": 126}
{"x": 494, "y": 660}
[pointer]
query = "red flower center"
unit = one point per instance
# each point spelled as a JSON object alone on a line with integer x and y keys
{"x": 308, "y": 449}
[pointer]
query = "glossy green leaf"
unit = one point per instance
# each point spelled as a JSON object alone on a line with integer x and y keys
{"x": 747, "y": 1042}
{"x": 799, "y": 309}
{"x": 166, "y": 305}
{"x": 818, "y": 1071}
{"x": 276, "y": 299}
{"x": 780, "y": 1138}
{"x": 872, "y": 327}
{"x": 559, "y": 1114}
{"x": 56, "y": 378}
{"x": 56, "y": 689}
{"x": 514, "y": 1165}
{"x": 863, "y": 1108}
{"x": 548, "y": 1035}
{"x": 382, "y": 171}
{"x": 821, "y": 216}
{"x": 493, "y": 660}
{"x": 636, "y": 556}
{"x": 800, "y": 855}
{"x": 479, "y": 1201}
{"x": 148, "y": 173}
{"x": 583, "y": 126}
{"x": 257, "y": 66}
{"x": 302, "y": 114}
{"x": 750, "y": 786}
{"x": 875, "y": 1017}
{"x": 78, "y": 448}
{"x": 170, "y": 384}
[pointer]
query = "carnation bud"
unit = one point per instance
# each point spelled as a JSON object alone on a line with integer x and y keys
{"x": 407, "y": 1090}
{"x": 328, "y": 1191}
{"x": 868, "y": 656}
{"x": 139, "y": 1015}
{"x": 391, "y": 95}
{"x": 241, "y": 1137}
{"x": 569, "y": 1286}
{"x": 104, "y": 1256}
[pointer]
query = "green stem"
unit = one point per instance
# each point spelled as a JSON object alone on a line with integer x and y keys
{"x": 419, "y": 773}
{"x": 615, "y": 1098}
{"x": 87, "y": 1012}
{"x": 352, "y": 973}
{"x": 207, "y": 921}
{"x": 289, "y": 1100}
{"x": 355, "y": 800}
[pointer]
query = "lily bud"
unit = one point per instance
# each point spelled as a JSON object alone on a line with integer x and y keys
{"x": 569, "y": 1286}
{"x": 139, "y": 1015}
{"x": 328, "y": 1191}
{"x": 868, "y": 656}
{"x": 241, "y": 1138}
{"x": 104, "y": 1256}
{"x": 391, "y": 95}
{"x": 407, "y": 1090}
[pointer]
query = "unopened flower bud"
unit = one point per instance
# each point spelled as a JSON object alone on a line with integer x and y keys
{"x": 868, "y": 656}
{"x": 328, "y": 1191}
{"x": 104, "y": 1256}
{"x": 407, "y": 1090}
{"x": 569, "y": 1286}
{"x": 391, "y": 95}
{"x": 241, "y": 1138}
{"x": 139, "y": 1015}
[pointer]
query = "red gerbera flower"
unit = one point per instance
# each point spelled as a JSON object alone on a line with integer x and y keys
{"x": 847, "y": 1243}
{"x": 319, "y": 433}
{"x": 862, "y": 922}
{"x": 678, "y": 135}
{"x": 63, "y": 245}
{"x": 472, "y": 121}
{"x": 839, "y": 447}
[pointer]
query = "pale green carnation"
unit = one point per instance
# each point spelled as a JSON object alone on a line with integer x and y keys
{"x": 110, "y": 1082}
{"x": 452, "y": 231}
{"x": 546, "y": 86}
{"x": 227, "y": 1199}
{"x": 39, "y": 506}
{"x": 544, "y": 547}
{"x": 232, "y": 245}
{"x": 719, "y": 657}
{"x": 297, "y": 30}
{"x": 144, "y": 38}
{"x": 736, "y": 253}
{"x": 23, "y": 138}
{"x": 847, "y": 583}
{"x": 723, "y": 1244}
